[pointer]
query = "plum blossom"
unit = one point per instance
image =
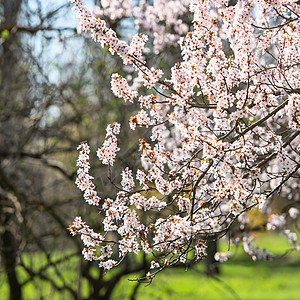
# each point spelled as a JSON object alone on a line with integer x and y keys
{"x": 222, "y": 256}
{"x": 84, "y": 180}
{"x": 120, "y": 88}
{"x": 293, "y": 111}
{"x": 127, "y": 180}
{"x": 275, "y": 221}
{"x": 115, "y": 9}
{"x": 154, "y": 265}
{"x": 223, "y": 124}
{"x": 141, "y": 119}
{"x": 294, "y": 212}
{"x": 253, "y": 250}
{"x": 108, "y": 264}
{"x": 89, "y": 254}
{"x": 107, "y": 153}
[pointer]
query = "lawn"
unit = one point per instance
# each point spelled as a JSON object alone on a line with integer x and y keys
{"x": 240, "y": 278}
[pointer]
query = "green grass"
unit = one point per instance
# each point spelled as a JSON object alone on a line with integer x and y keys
{"x": 249, "y": 281}
{"x": 240, "y": 278}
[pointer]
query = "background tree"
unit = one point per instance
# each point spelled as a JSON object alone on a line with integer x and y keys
{"x": 44, "y": 114}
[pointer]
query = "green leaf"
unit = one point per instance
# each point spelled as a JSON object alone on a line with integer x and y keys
{"x": 5, "y": 34}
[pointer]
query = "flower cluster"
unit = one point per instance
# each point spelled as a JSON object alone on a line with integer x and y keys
{"x": 293, "y": 111}
{"x": 141, "y": 119}
{"x": 88, "y": 236}
{"x": 141, "y": 202}
{"x": 222, "y": 256}
{"x": 107, "y": 153}
{"x": 127, "y": 180}
{"x": 114, "y": 9}
{"x": 224, "y": 128}
{"x": 84, "y": 180}
{"x": 131, "y": 54}
{"x": 121, "y": 89}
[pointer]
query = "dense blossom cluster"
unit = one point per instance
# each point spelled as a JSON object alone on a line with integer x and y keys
{"x": 131, "y": 54}
{"x": 84, "y": 180}
{"x": 225, "y": 129}
{"x": 114, "y": 9}
{"x": 155, "y": 18}
{"x": 107, "y": 153}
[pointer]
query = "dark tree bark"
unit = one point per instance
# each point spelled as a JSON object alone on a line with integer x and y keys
{"x": 8, "y": 58}
{"x": 8, "y": 242}
{"x": 8, "y": 251}
{"x": 212, "y": 266}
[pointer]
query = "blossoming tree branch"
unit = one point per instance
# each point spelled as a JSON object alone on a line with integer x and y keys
{"x": 225, "y": 129}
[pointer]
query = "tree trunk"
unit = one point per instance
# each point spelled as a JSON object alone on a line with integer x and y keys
{"x": 212, "y": 266}
{"x": 8, "y": 244}
{"x": 9, "y": 257}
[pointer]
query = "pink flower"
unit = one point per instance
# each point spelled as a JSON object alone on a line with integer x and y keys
{"x": 223, "y": 133}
